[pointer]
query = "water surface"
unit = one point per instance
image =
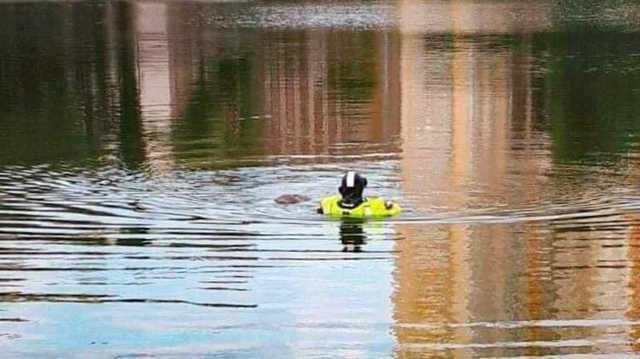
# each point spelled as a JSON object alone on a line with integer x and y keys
{"x": 144, "y": 143}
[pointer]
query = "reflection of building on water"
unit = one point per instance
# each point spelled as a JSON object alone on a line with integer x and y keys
{"x": 633, "y": 310}
{"x": 467, "y": 106}
{"x": 323, "y": 88}
{"x": 293, "y": 92}
{"x": 462, "y": 98}
{"x": 155, "y": 81}
{"x": 460, "y": 17}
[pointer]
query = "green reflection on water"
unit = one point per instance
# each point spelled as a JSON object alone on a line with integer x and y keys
{"x": 75, "y": 85}
{"x": 354, "y": 67}
{"x": 131, "y": 136}
{"x": 220, "y": 121}
{"x": 592, "y": 94}
{"x": 41, "y": 75}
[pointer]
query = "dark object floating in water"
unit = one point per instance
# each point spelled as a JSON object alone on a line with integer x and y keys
{"x": 291, "y": 199}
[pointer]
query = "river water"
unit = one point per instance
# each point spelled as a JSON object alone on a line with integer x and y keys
{"x": 143, "y": 145}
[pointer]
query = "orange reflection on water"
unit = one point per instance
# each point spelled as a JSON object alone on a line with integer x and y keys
{"x": 460, "y": 97}
{"x": 307, "y": 93}
{"x": 469, "y": 139}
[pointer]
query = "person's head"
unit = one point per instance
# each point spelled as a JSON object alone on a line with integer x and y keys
{"x": 352, "y": 187}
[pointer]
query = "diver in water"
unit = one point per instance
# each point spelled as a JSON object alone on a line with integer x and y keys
{"x": 351, "y": 203}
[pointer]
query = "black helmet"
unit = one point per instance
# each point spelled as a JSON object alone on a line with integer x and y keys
{"x": 351, "y": 188}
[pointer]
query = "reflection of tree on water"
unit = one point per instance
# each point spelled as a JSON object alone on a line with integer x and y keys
{"x": 132, "y": 147}
{"x": 70, "y": 86}
{"x": 590, "y": 95}
{"x": 352, "y": 235}
{"x": 217, "y": 119}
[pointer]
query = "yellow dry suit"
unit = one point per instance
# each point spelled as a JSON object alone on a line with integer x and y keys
{"x": 369, "y": 208}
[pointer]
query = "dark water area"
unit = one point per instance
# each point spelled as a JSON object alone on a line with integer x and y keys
{"x": 144, "y": 144}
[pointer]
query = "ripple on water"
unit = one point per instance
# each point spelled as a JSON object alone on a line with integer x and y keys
{"x": 206, "y": 239}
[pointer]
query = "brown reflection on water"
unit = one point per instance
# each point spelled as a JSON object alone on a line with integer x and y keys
{"x": 305, "y": 92}
{"x": 466, "y": 104}
{"x": 156, "y": 81}
{"x": 633, "y": 258}
{"x": 471, "y": 136}
{"x": 323, "y": 88}
{"x": 633, "y": 312}
{"x": 420, "y": 16}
